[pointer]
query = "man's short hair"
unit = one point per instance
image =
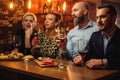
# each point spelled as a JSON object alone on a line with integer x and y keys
{"x": 112, "y": 10}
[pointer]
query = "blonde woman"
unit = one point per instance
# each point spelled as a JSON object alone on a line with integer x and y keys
{"x": 23, "y": 37}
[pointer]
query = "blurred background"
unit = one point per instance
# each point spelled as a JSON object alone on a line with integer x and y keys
{"x": 11, "y": 12}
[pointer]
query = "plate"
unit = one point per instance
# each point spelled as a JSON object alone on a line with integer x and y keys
{"x": 41, "y": 64}
{"x": 17, "y": 59}
{"x": 14, "y": 58}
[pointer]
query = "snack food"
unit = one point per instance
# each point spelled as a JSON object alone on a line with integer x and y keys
{"x": 10, "y": 56}
{"x": 28, "y": 57}
{"x": 15, "y": 55}
{"x": 48, "y": 62}
{"x": 3, "y": 57}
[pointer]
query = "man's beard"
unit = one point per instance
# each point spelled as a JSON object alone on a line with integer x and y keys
{"x": 79, "y": 19}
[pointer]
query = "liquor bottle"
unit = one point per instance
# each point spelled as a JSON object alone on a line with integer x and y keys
{"x": 45, "y": 8}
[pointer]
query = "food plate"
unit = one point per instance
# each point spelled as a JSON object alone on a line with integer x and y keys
{"x": 12, "y": 56}
{"x": 8, "y": 58}
{"x": 18, "y": 59}
{"x": 45, "y": 63}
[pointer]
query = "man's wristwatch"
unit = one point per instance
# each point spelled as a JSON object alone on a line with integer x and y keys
{"x": 75, "y": 56}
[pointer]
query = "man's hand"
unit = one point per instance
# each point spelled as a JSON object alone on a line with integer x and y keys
{"x": 95, "y": 63}
{"x": 77, "y": 60}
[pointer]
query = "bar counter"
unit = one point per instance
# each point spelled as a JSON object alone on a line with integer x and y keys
{"x": 19, "y": 70}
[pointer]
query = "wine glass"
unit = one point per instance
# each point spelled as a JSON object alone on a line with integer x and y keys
{"x": 61, "y": 40}
{"x": 82, "y": 49}
{"x": 61, "y": 36}
{"x": 36, "y": 40}
{"x": 17, "y": 41}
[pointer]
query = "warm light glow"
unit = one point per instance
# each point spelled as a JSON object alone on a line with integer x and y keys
{"x": 57, "y": 30}
{"x": 49, "y": 0}
{"x": 64, "y": 7}
{"x": 26, "y": 67}
{"x": 29, "y": 4}
{"x": 11, "y": 5}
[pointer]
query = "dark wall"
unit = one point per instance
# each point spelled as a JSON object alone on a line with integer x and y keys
{"x": 10, "y": 21}
{"x": 117, "y": 5}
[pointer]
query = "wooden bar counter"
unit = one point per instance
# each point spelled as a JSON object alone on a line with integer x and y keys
{"x": 18, "y": 70}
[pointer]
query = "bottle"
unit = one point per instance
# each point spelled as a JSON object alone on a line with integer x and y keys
{"x": 45, "y": 8}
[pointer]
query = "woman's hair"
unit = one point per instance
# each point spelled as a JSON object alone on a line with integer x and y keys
{"x": 58, "y": 16}
{"x": 30, "y": 14}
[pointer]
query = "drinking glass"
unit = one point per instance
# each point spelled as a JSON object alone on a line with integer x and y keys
{"x": 37, "y": 40}
{"x": 61, "y": 40}
{"x": 82, "y": 49}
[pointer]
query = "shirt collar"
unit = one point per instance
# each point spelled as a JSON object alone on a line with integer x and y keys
{"x": 90, "y": 24}
{"x": 110, "y": 35}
